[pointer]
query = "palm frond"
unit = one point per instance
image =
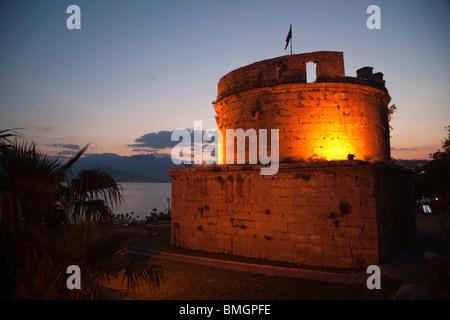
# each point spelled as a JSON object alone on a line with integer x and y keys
{"x": 105, "y": 293}
{"x": 102, "y": 254}
{"x": 143, "y": 273}
{"x": 29, "y": 176}
{"x": 10, "y": 215}
{"x": 48, "y": 223}
{"x": 96, "y": 184}
{"x": 5, "y": 136}
{"x": 94, "y": 210}
{"x": 68, "y": 165}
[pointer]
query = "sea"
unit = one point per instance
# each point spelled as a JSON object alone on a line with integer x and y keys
{"x": 142, "y": 197}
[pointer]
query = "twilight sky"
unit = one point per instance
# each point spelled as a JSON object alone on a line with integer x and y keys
{"x": 139, "y": 68}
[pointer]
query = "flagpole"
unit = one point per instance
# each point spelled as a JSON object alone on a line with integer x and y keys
{"x": 291, "y": 39}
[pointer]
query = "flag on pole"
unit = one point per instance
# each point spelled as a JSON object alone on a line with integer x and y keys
{"x": 289, "y": 37}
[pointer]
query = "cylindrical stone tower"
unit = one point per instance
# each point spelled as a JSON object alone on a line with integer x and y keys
{"x": 330, "y": 119}
{"x": 343, "y": 214}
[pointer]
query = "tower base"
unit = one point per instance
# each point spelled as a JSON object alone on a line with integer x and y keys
{"x": 343, "y": 214}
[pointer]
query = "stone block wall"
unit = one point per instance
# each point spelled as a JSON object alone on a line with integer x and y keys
{"x": 315, "y": 120}
{"x": 334, "y": 214}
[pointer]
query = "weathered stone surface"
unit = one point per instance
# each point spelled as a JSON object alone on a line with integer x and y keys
{"x": 321, "y": 128}
{"x": 299, "y": 229}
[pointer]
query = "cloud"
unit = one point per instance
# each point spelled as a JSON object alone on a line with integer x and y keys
{"x": 154, "y": 140}
{"x": 144, "y": 150}
{"x": 43, "y": 128}
{"x": 66, "y": 152}
{"x": 65, "y": 146}
{"x": 404, "y": 149}
{"x": 160, "y": 142}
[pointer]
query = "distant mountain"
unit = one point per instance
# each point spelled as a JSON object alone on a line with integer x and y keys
{"x": 128, "y": 168}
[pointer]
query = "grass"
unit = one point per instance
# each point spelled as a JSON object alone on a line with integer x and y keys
{"x": 187, "y": 281}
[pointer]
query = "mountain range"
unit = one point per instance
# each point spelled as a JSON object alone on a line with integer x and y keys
{"x": 144, "y": 167}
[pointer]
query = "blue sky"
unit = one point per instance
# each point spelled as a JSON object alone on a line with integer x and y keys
{"x": 138, "y": 67}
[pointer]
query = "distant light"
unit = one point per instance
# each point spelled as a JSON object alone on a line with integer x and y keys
{"x": 426, "y": 208}
{"x": 436, "y": 199}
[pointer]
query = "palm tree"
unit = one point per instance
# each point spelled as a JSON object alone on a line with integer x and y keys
{"x": 49, "y": 222}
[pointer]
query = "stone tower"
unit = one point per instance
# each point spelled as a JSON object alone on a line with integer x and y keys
{"x": 329, "y": 119}
{"x": 336, "y": 200}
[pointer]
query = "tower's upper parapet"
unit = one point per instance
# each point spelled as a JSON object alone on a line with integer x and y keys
{"x": 282, "y": 70}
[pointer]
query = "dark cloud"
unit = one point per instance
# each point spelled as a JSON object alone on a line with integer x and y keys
{"x": 43, "y": 128}
{"x": 155, "y": 141}
{"x": 403, "y": 149}
{"x": 143, "y": 150}
{"x": 65, "y": 146}
{"x": 66, "y": 152}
